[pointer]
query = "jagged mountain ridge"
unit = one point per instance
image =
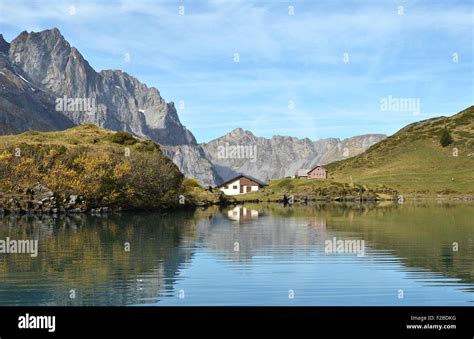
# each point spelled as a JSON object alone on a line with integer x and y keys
{"x": 281, "y": 156}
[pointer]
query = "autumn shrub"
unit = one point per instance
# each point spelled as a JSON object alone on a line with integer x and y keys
{"x": 122, "y": 138}
{"x": 102, "y": 173}
{"x": 446, "y": 138}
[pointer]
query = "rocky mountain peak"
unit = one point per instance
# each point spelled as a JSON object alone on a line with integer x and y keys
{"x": 121, "y": 101}
{"x": 239, "y": 133}
{"x": 50, "y": 37}
{"x": 44, "y": 58}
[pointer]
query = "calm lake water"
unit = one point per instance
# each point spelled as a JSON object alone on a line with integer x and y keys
{"x": 267, "y": 254}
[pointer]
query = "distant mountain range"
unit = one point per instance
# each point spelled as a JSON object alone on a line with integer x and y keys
{"x": 38, "y": 69}
{"x": 280, "y": 156}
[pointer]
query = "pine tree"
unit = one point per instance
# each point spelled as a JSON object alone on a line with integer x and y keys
{"x": 446, "y": 138}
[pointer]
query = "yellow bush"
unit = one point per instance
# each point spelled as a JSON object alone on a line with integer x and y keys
{"x": 97, "y": 170}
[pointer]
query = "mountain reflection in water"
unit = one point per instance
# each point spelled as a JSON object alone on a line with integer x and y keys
{"x": 245, "y": 255}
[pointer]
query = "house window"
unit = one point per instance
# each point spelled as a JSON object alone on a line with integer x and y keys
{"x": 226, "y": 186}
{"x": 234, "y": 187}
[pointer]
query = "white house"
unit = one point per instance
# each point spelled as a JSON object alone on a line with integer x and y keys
{"x": 240, "y": 185}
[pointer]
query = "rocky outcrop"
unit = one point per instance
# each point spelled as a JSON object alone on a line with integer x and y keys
{"x": 39, "y": 199}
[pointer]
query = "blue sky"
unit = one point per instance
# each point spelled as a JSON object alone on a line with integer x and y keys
{"x": 291, "y": 78}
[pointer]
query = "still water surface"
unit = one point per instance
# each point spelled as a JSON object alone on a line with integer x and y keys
{"x": 265, "y": 254}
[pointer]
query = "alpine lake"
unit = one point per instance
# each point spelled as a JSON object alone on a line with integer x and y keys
{"x": 328, "y": 254}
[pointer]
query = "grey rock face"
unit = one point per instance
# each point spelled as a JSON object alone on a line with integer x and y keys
{"x": 42, "y": 192}
{"x": 121, "y": 102}
{"x": 4, "y": 46}
{"x": 192, "y": 161}
{"x": 280, "y": 156}
{"x": 23, "y": 105}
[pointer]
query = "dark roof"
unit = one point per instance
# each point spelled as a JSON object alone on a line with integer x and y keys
{"x": 240, "y": 176}
{"x": 317, "y": 167}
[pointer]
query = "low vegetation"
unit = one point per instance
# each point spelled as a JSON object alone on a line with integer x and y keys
{"x": 316, "y": 189}
{"x": 122, "y": 138}
{"x": 199, "y": 196}
{"x": 103, "y": 168}
{"x": 446, "y": 138}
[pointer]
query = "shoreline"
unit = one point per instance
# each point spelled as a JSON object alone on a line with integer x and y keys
{"x": 105, "y": 210}
{"x": 299, "y": 198}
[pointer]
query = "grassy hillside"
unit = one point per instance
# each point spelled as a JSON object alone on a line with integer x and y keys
{"x": 413, "y": 161}
{"x": 104, "y": 168}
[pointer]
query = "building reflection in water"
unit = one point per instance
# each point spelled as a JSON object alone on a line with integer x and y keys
{"x": 317, "y": 224}
{"x": 242, "y": 214}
